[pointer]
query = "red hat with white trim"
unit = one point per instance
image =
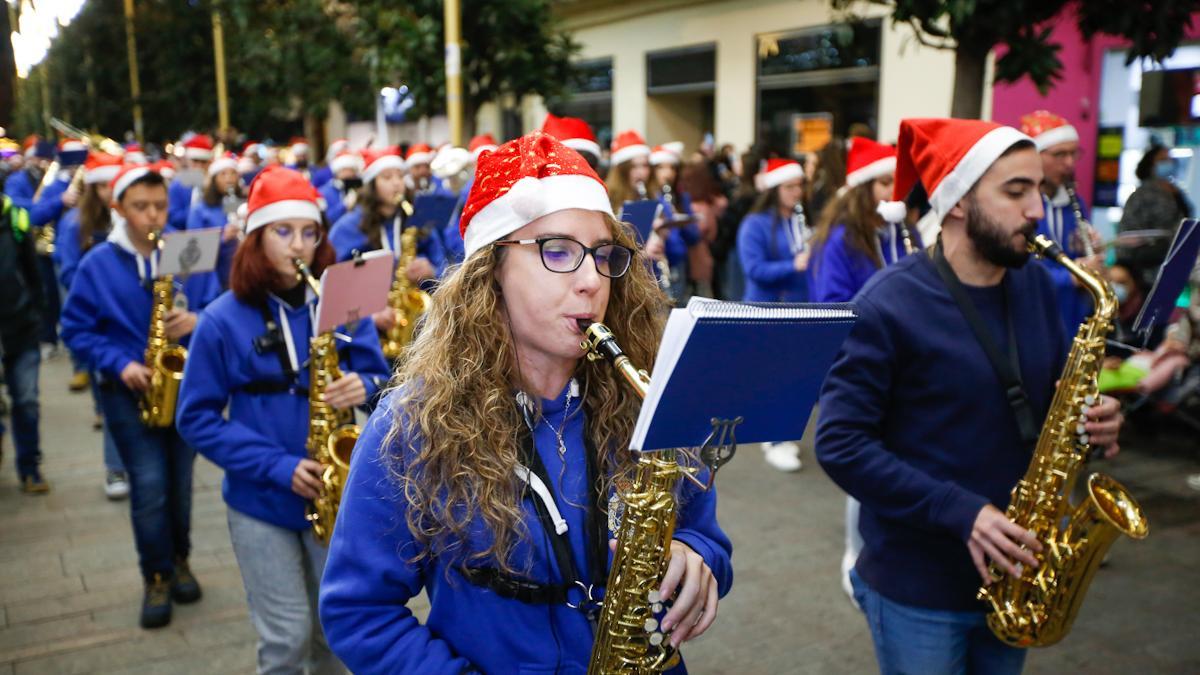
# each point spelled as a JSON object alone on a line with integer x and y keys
{"x": 126, "y": 175}
{"x": 524, "y": 179}
{"x": 419, "y": 153}
{"x": 1047, "y": 129}
{"x": 279, "y": 193}
{"x": 226, "y": 161}
{"x": 778, "y": 171}
{"x": 336, "y": 148}
{"x": 164, "y": 168}
{"x": 868, "y": 160}
{"x": 481, "y": 144}
{"x": 135, "y": 155}
{"x": 628, "y": 145}
{"x": 667, "y": 153}
{"x": 378, "y": 161}
{"x": 298, "y": 145}
{"x": 573, "y": 133}
{"x": 948, "y": 157}
{"x": 199, "y": 147}
{"x": 101, "y": 167}
{"x": 346, "y": 160}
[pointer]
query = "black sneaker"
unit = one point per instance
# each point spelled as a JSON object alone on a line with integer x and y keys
{"x": 184, "y": 587}
{"x": 156, "y": 605}
{"x": 34, "y": 484}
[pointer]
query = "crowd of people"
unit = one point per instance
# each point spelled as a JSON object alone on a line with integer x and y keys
{"x": 919, "y": 240}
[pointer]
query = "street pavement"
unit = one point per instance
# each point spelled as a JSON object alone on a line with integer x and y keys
{"x": 70, "y": 589}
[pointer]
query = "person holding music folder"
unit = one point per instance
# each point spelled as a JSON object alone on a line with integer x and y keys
{"x": 184, "y": 190}
{"x": 249, "y": 356}
{"x": 438, "y": 498}
{"x": 914, "y": 420}
{"x": 665, "y": 161}
{"x": 630, "y": 179}
{"x": 217, "y": 207}
{"x": 106, "y": 322}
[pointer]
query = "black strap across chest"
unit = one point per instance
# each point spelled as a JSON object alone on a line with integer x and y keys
{"x": 274, "y": 341}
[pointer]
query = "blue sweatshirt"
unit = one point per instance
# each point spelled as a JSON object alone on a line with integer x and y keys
{"x": 180, "y": 198}
{"x": 333, "y": 195}
{"x": 68, "y": 250}
{"x": 840, "y": 270}
{"x": 347, "y": 238}
{"x": 368, "y": 579}
{"x": 915, "y": 424}
{"x": 20, "y": 188}
{"x": 1059, "y": 223}
{"x": 106, "y": 318}
{"x": 768, "y": 262}
{"x": 48, "y": 207}
{"x": 204, "y": 215}
{"x": 321, "y": 176}
{"x": 263, "y": 439}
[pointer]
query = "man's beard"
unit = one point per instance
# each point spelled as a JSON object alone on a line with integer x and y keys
{"x": 991, "y": 241}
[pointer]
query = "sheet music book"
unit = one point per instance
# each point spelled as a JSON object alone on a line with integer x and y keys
{"x": 641, "y": 215}
{"x": 764, "y": 362}
{"x": 431, "y": 212}
{"x": 354, "y": 289}
{"x": 186, "y": 252}
{"x": 1172, "y": 277}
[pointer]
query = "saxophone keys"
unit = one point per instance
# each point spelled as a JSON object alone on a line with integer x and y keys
{"x": 651, "y": 625}
{"x": 656, "y": 639}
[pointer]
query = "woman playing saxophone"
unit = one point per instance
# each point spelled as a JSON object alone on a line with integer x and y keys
{"x": 485, "y": 477}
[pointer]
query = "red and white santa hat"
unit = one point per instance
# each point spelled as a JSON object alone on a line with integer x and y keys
{"x": 948, "y": 156}
{"x": 667, "y": 153}
{"x": 101, "y": 168}
{"x": 481, "y": 144}
{"x": 524, "y": 179}
{"x": 336, "y": 148}
{"x": 298, "y": 145}
{"x": 573, "y": 133}
{"x": 1047, "y": 129}
{"x": 126, "y": 175}
{"x": 868, "y": 160}
{"x": 198, "y": 147}
{"x": 378, "y": 161}
{"x": 419, "y": 153}
{"x": 279, "y": 193}
{"x": 135, "y": 155}
{"x": 626, "y": 146}
{"x": 164, "y": 168}
{"x": 346, "y": 160}
{"x": 225, "y": 161}
{"x": 778, "y": 171}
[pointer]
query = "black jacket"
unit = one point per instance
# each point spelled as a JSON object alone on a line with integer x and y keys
{"x": 20, "y": 284}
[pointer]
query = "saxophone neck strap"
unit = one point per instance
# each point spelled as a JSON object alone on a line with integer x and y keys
{"x": 1007, "y": 366}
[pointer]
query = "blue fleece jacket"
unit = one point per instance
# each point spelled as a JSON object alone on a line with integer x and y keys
{"x": 106, "y": 318}
{"x": 767, "y": 261}
{"x": 333, "y": 194}
{"x": 1059, "y": 223}
{"x": 204, "y": 215}
{"x": 20, "y": 188}
{"x": 263, "y": 438}
{"x": 839, "y": 270}
{"x": 68, "y": 250}
{"x": 320, "y": 176}
{"x": 915, "y": 424}
{"x": 369, "y": 579}
{"x": 48, "y": 207}
{"x": 180, "y": 198}
{"x": 347, "y": 238}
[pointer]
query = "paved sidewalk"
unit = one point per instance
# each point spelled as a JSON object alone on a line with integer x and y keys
{"x": 70, "y": 590}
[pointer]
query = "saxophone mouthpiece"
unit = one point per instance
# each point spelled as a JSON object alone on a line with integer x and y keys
{"x": 584, "y": 324}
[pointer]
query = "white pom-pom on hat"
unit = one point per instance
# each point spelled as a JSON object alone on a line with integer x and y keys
{"x": 892, "y": 212}
{"x": 526, "y": 198}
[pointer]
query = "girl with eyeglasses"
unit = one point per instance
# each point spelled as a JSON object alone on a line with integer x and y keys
{"x": 250, "y": 357}
{"x": 485, "y": 477}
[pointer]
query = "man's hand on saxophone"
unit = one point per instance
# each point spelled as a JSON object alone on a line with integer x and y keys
{"x": 693, "y": 587}
{"x": 179, "y": 323}
{"x": 136, "y": 376}
{"x": 306, "y": 478}
{"x": 997, "y": 539}
{"x": 345, "y": 392}
{"x": 1104, "y": 425}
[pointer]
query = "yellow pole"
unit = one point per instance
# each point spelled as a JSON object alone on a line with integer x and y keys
{"x": 135, "y": 86}
{"x": 219, "y": 57}
{"x": 454, "y": 103}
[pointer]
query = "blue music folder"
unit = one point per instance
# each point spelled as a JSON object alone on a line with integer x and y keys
{"x": 431, "y": 212}
{"x": 641, "y": 215}
{"x": 1172, "y": 277}
{"x": 763, "y": 362}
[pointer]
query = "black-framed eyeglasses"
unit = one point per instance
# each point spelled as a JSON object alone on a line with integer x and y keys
{"x": 564, "y": 255}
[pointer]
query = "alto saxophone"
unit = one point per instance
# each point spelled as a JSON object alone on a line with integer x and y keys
{"x": 332, "y": 433}
{"x": 407, "y": 301}
{"x": 1038, "y": 607}
{"x": 163, "y": 357}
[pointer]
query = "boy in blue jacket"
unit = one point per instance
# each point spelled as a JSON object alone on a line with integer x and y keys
{"x": 106, "y": 322}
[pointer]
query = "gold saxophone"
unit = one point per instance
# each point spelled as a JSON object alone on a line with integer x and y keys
{"x": 407, "y": 301}
{"x": 163, "y": 357}
{"x": 1037, "y": 608}
{"x": 331, "y": 433}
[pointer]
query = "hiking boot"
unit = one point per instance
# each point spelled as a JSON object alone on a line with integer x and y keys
{"x": 116, "y": 485}
{"x": 156, "y": 605}
{"x": 79, "y": 381}
{"x": 184, "y": 587}
{"x": 34, "y": 484}
{"x": 98, "y": 423}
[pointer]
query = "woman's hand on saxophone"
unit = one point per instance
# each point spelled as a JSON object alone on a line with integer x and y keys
{"x": 347, "y": 391}
{"x": 694, "y": 589}
{"x": 306, "y": 478}
{"x": 1007, "y": 545}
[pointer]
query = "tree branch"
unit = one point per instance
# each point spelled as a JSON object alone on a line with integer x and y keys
{"x": 920, "y": 34}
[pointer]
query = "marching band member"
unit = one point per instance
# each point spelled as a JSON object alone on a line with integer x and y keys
{"x": 250, "y": 161}
{"x": 420, "y": 178}
{"x": 1058, "y": 145}
{"x": 297, "y": 150}
{"x": 434, "y": 501}
{"x": 336, "y": 192}
{"x": 325, "y": 173}
{"x": 197, "y": 153}
{"x": 21, "y": 185}
{"x": 248, "y": 356}
{"x": 80, "y": 230}
{"x": 664, "y": 161}
{"x": 575, "y": 134}
{"x": 217, "y": 207}
{"x": 914, "y": 421}
{"x": 630, "y": 179}
{"x": 451, "y": 238}
{"x": 106, "y": 322}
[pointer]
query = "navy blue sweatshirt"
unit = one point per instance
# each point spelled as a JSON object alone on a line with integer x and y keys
{"x": 914, "y": 423}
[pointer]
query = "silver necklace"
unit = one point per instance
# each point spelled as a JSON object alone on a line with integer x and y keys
{"x": 558, "y": 433}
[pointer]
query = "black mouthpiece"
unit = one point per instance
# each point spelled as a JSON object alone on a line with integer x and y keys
{"x": 583, "y": 324}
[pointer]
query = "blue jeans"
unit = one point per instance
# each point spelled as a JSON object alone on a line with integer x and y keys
{"x": 919, "y": 641}
{"x": 112, "y": 458}
{"x": 21, "y": 375}
{"x": 51, "y": 300}
{"x": 159, "y": 465}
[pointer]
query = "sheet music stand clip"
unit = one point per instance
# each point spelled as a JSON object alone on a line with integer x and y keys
{"x": 717, "y": 449}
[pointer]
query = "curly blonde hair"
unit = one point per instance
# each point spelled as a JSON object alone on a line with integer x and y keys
{"x": 456, "y": 428}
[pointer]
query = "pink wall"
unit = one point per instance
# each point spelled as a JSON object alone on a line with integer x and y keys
{"x": 1075, "y": 96}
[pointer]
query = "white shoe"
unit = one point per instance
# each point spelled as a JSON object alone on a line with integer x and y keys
{"x": 1193, "y": 481}
{"x": 783, "y": 456}
{"x": 848, "y": 561}
{"x": 116, "y": 485}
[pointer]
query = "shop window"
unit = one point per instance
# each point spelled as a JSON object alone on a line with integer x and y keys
{"x": 590, "y": 99}
{"x": 685, "y": 70}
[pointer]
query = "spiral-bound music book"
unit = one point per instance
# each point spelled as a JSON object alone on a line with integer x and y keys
{"x": 641, "y": 215}
{"x": 762, "y": 362}
{"x": 1172, "y": 277}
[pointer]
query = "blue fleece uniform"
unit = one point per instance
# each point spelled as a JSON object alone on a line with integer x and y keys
{"x": 452, "y": 241}
{"x": 48, "y": 207}
{"x": 263, "y": 439}
{"x": 915, "y": 424}
{"x": 179, "y": 204}
{"x": 839, "y": 270}
{"x": 20, "y": 188}
{"x": 1059, "y": 223}
{"x": 767, "y": 261}
{"x": 107, "y": 314}
{"x": 204, "y": 215}
{"x": 347, "y": 238}
{"x": 320, "y": 176}
{"x": 333, "y": 194}
{"x": 368, "y": 579}
{"x": 68, "y": 250}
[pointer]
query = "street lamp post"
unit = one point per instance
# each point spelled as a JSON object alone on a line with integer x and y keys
{"x": 135, "y": 86}
{"x": 454, "y": 103}
{"x": 219, "y": 57}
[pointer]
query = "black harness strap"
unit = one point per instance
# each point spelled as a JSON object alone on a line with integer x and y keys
{"x": 273, "y": 340}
